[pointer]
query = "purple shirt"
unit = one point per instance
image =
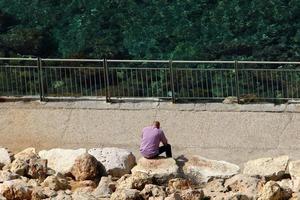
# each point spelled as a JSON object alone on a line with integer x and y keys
{"x": 151, "y": 138}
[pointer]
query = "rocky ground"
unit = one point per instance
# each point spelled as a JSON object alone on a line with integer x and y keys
{"x": 112, "y": 173}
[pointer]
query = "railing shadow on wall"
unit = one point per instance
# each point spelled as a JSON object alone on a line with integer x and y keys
{"x": 165, "y": 79}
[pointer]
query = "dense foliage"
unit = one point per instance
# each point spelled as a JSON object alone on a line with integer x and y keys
{"x": 165, "y": 29}
{"x": 151, "y": 29}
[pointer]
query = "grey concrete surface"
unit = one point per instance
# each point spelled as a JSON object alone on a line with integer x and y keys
{"x": 235, "y": 133}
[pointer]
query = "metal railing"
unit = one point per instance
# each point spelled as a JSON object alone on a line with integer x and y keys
{"x": 166, "y": 79}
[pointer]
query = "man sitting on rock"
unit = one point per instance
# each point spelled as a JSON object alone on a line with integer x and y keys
{"x": 151, "y": 138}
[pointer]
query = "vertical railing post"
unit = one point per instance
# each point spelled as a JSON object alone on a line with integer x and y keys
{"x": 40, "y": 79}
{"x": 237, "y": 87}
{"x": 107, "y": 92}
{"x": 172, "y": 81}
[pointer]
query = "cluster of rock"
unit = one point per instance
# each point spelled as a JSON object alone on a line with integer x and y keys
{"x": 112, "y": 173}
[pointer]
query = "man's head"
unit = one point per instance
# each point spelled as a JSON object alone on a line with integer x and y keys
{"x": 156, "y": 124}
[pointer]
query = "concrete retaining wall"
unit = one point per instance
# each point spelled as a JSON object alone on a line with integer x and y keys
{"x": 234, "y": 133}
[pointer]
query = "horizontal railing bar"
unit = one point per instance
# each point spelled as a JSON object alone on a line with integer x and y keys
{"x": 20, "y": 59}
{"x": 146, "y": 68}
{"x": 139, "y": 97}
{"x": 77, "y": 97}
{"x": 203, "y": 62}
{"x": 71, "y": 67}
{"x": 267, "y": 62}
{"x": 219, "y": 98}
{"x": 173, "y": 61}
{"x": 157, "y": 61}
{"x": 199, "y": 69}
{"x": 274, "y": 70}
{"x": 18, "y": 66}
{"x": 139, "y": 61}
{"x": 274, "y": 98}
{"x": 71, "y": 60}
{"x": 200, "y": 98}
{"x": 142, "y": 68}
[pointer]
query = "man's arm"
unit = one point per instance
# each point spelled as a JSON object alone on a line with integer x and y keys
{"x": 163, "y": 138}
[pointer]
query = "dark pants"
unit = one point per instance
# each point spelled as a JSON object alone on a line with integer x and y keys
{"x": 167, "y": 149}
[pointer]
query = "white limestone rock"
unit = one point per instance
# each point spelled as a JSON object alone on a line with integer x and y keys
{"x": 4, "y": 157}
{"x": 61, "y": 160}
{"x": 270, "y": 168}
{"x": 294, "y": 171}
{"x": 200, "y": 169}
{"x": 116, "y": 161}
{"x": 162, "y": 169}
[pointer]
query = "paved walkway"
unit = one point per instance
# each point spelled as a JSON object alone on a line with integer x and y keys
{"x": 234, "y": 133}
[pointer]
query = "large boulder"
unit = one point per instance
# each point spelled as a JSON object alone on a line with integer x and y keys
{"x": 236, "y": 196}
{"x": 32, "y": 168}
{"x": 58, "y": 182}
{"x": 88, "y": 190}
{"x": 161, "y": 169}
{"x": 200, "y": 169}
{"x": 37, "y": 194}
{"x": 105, "y": 188}
{"x": 272, "y": 191}
{"x": 61, "y": 160}
{"x": 287, "y": 186}
{"x": 33, "y": 183}
{"x": 28, "y": 163}
{"x": 126, "y": 194}
{"x": 178, "y": 184}
{"x": 7, "y": 176}
{"x": 83, "y": 195}
{"x": 51, "y": 193}
{"x": 116, "y": 161}
{"x": 27, "y": 154}
{"x": 295, "y": 196}
{"x": 4, "y": 157}
{"x": 189, "y": 194}
{"x": 244, "y": 185}
{"x": 37, "y": 169}
{"x": 153, "y": 191}
{"x": 86, "y": 167}
{"x": 61, "y": 195}
{"x": 15, "y": 190}
{"x": 215, "y": 188}
{"x": 174, "y": 196}
{"x": 19, "y": 166}
{"x": 192, "y": 194}
{"x": 270, "y": 168}
{"x": 294, "y": 171}
{"x": 137, "y": 181}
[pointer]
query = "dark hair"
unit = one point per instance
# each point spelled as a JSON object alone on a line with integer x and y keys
{"x": 156, "y": 124}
